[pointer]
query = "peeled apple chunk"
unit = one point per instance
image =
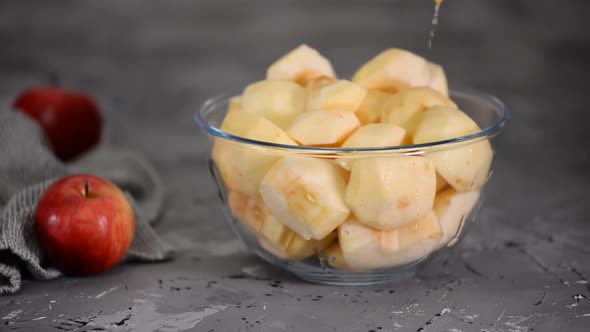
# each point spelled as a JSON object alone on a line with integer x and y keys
{"x": 293, "y": 250}
{"x": 440, "y": 183}
{"x": 406, "y": 107}
{"x": 246, "y": 210}
{"x": 313, "y": 89}
{"x": 464, "y": 167}
{"x": 273, "y": 236}
{"x": 375, "y": 103}
{"x": 391, "y": 192}
{"x": 300, "y": 65}
{"x": 372, "y": 135}
{"x": 323, "y": 127}
{"x": 334, "y": 257}
{"x": 306, "y": 194}
{"x": 440, "y": 123}
{"x": 242, "y": 167}
{"x": 365, "y": 247}
{"x": 393, "y": 70}
{"x": 452, "y": 208}
{"x": 278, "y": 101}
{"x": 283, "y": 242}
{"x": 427, "y": 227}
{"x": 327, "y": 240}
{"x": 438, "y": 79}
{"x": 234, "y": 104}
{"x": 294, "y": 247}
{"x": 375, "y": 135}
{"x": 340, "y": 95}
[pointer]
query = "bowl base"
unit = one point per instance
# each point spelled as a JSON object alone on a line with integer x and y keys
{"x": 310, "y": 271}
{"x": 352, "y": 279}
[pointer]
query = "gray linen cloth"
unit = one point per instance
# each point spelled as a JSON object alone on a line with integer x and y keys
{"x": 27, "y": 168}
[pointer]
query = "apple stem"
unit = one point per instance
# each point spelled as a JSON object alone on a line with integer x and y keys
{"x": 86, "y": 188}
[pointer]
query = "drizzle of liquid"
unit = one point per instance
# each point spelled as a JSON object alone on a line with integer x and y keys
{"x": 437, "y": 4}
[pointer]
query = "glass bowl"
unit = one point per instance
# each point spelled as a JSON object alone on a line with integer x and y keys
{"x": 258, "y": 205}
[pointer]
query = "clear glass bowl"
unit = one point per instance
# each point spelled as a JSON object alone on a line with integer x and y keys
{"x": 389, "y": 257}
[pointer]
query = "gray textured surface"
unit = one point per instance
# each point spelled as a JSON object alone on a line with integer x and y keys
{"x": 151, "y": 63}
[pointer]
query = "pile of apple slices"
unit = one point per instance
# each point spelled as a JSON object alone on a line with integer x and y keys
{"x": 360, "y": 211}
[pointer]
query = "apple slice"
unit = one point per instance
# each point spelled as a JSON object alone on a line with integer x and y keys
{"x": 323, "y": 127}
{"x": 438, "y": 79}
{"x": 340, "y": 95}
{"x": 371, "y": 136}
{"x": 452, "y": 208}
{"x": 406, "y": 107}
{"x": 365, "y": 247}
{"x": 241, "y": 166}
{"x": 390, "y": 192}
{"x": 278, "y": 101}
{"x": 375, "y": 103}
{"x": 306, "y": 194}
{"x": 464, "y": 167}
{"x": 393, "y": 70}
{"x": 301, "y": 65}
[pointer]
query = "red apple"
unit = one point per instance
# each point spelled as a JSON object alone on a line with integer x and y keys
{"x": 71, "y": 120}
{"x": 85, "y": 224}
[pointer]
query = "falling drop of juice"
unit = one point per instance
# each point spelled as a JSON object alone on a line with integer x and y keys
{"x": 437, "y": 4}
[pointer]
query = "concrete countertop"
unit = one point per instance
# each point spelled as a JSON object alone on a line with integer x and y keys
{"x": 524, "y": 265}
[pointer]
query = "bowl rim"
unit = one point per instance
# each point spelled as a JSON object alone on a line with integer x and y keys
{"x": 486, "y": 133}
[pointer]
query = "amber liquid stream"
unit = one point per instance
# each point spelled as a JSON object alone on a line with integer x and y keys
{"x": 437, "y": 4}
